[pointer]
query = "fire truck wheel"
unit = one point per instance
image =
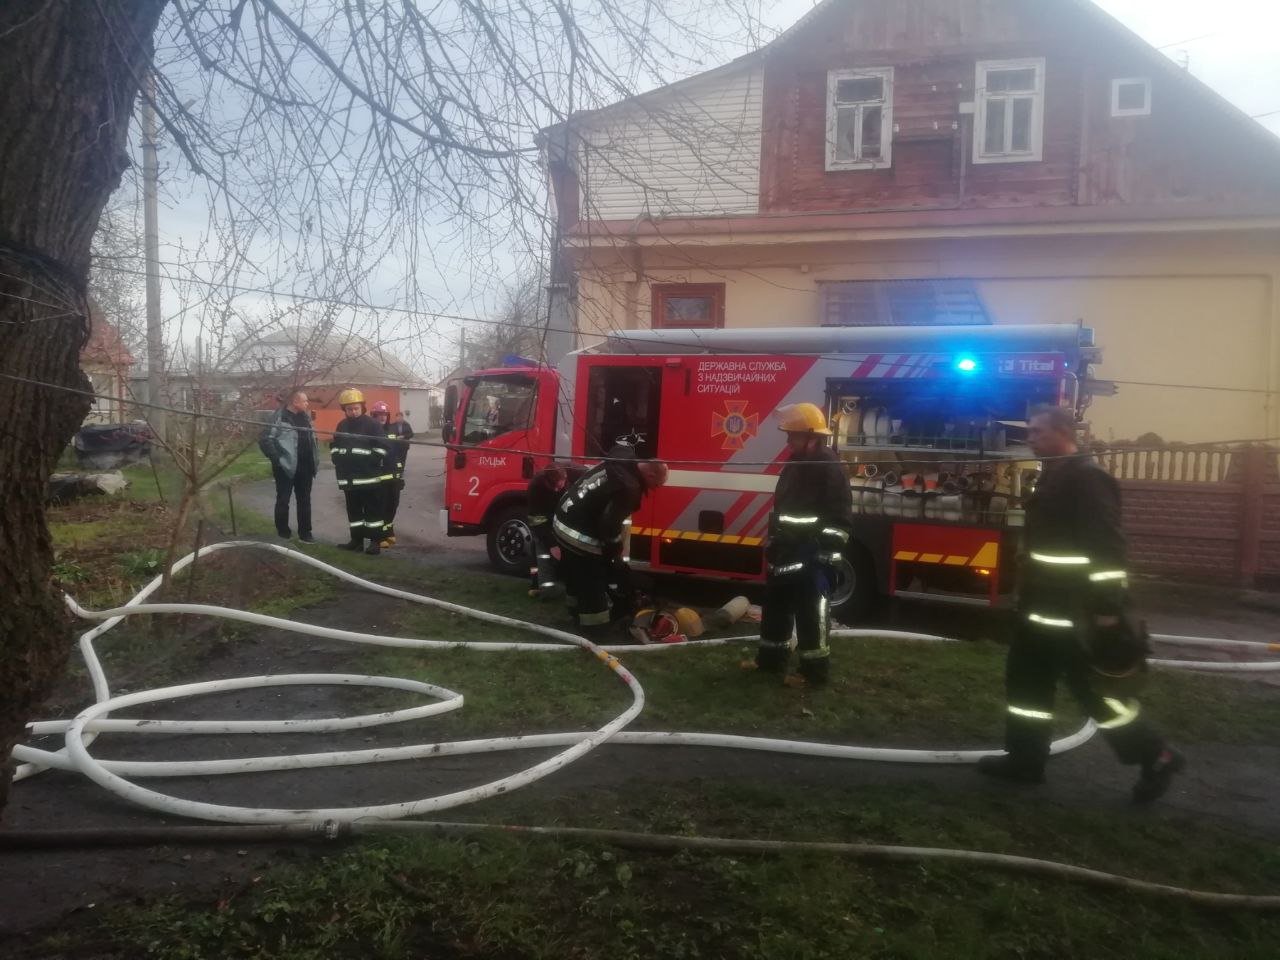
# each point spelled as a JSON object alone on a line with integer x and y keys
{"x": 509, "y": 541}
{"x": 854, "y": 593}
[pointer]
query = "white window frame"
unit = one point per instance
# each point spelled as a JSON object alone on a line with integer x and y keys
{"x": 982, "y": 102}
{"x": 1142, "y": 111}
{"x": 885, "y": 160}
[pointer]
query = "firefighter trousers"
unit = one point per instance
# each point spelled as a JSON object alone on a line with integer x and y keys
{"x": 586, "y": 584}
{"x": 542, "y": 565}
{"x": 364, "y": 511}
{"x": 796, "y": 600}
{"x": 1038, "y": 657}
{"x": 390, "y": 504}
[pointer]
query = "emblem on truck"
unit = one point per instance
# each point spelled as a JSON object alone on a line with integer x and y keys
{"x": 735, "y": 425}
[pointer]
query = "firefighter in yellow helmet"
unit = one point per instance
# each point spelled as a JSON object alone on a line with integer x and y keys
{"x": 360, "y": 459}
{"x": 810, "y": 524}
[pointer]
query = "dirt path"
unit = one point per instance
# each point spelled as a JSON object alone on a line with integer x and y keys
{"x": 1233, "y": 787}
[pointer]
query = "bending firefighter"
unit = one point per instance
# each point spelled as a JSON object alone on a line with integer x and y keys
{"x": 811, "y": 521}
{"x": 544, "y": 492}
{"x": 589, "y": 525}
{"x": 397, "y": 433}
{"x": 359, "y": 455}
{"x": 1073, "y": 621}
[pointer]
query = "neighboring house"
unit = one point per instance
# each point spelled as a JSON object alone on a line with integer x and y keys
{"x": 260, "y": 371}
{"x": 107, "y": 362}
{"x": 946, "y": 161}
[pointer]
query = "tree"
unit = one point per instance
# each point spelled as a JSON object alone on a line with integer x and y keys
{"x": 329, "y": 136}
{"x": 518, "y": 328}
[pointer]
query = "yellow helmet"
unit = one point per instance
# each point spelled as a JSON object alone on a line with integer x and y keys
{"x": 690, "y": 622}
{"x": 349, "y": 396}
{"x": 803, "y": 418}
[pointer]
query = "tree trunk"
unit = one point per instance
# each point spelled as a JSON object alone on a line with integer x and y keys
{"x": 69, "y": 74}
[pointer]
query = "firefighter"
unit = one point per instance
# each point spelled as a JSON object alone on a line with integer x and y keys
{"x": 544, "y": 492}
{"x": 810, "y": 524}
{"x": 589, "y": 525}
{"x": 397, "y": 433}
{"x": 1073, "y": 619}
{"x": 360, "y": 460}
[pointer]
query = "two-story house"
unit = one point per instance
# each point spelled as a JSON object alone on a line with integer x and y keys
{"x": 947, "y": 161}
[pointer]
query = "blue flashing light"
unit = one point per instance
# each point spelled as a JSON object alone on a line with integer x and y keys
{"x": 967, "y": 365}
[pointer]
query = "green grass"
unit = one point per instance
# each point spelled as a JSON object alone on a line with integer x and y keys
{"x": 504, "y": 897}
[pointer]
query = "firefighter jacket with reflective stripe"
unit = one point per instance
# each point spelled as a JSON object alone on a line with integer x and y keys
{"x": 543, "y": 495}
{"x": 359, "y": 452}
{"x": 1073, "y": 561}
{"x": 398, "y": 434}
{"x": 812, "y": 512}
{"x": 590, "y": 518}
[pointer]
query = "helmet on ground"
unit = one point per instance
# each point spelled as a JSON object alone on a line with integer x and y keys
{"x": 803, "y": 418}
{"x": 690, "y": 622}
{"x": 380, "y": 407}
{"x": 349, "y": 396}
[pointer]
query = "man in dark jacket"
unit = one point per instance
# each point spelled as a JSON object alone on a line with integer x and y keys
{"x": 590, "y": 526}
{"x": 810, "y": 524}
{"x": 359, "y": 455}
{"x": 1072, "y": 618}
{"x": 289, "y": 442}
{"x": 397, "y": 433}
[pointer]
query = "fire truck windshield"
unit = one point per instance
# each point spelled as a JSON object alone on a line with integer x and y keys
{"x": 497, "y": 406}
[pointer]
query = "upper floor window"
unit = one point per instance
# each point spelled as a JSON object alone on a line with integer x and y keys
{"x": 860, "y": 118}
{"x": 1131, "y": 97}
{"x": 1009, "y": 115}
{"x": 684, "y": 305}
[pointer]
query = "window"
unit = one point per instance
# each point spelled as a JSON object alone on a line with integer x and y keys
{"x": 860, "y": 118}
{"x": 884, "y": 303}
{"x": 623, "y": 404}
{"x": 685, "y": 305}
{"x": 1131, "y": 97}
{"x": 1009, "y": 118}
{"x": 499, "y": 405}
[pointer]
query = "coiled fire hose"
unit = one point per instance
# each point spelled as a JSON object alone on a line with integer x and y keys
{"x": 118, "y": 776}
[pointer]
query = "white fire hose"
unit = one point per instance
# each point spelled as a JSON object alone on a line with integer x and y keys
{"x": 117, "y": 776}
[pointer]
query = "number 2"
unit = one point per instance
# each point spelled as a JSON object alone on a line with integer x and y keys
{"x": 475, "y": 487}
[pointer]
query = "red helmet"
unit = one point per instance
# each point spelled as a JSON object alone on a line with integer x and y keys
{"x": 380, "y": 407}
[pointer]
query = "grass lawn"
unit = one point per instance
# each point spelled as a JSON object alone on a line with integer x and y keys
{"x": 498, "y": 896}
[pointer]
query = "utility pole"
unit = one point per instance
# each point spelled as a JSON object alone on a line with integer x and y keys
{"x": 462, "y": 349}
{"x": 151, "y": 228}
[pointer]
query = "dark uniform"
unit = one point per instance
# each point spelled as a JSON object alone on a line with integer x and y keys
{"x": 398, "y": 433}
{"x": 359, "y": 454}
{"x": 811, "y": 520}
{"x": 544, "y": 492}
{"x": 589, "y": 525}
{"x": 1073, "y": 572}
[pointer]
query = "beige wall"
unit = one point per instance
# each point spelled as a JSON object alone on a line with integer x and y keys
{"x": 1189, "y": 311}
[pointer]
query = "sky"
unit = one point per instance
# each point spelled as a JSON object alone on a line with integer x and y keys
{"x": 1232, "y": 45}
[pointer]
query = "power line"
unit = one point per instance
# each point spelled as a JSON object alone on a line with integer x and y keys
{"x": 465, "y": 447}
{"x": 695, "y": 344}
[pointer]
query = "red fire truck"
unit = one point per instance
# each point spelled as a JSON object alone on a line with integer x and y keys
{"x": 931, "y": 422}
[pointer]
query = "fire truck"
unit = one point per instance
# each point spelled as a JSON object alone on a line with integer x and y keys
{"x": 930, "y": 422}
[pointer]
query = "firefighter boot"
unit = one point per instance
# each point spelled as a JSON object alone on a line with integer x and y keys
{"x": 373, "y": 549}
{"x": 1157, "y": 774}
{"x": 815, "y": 671}
{"x": 1005, "y": 767}
{"x": 355, "y": 543}
{"x": 772, "y": 657}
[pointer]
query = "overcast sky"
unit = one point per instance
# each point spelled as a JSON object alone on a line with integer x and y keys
{"x": 1232, "y": 45}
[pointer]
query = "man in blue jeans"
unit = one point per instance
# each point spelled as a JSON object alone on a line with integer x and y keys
{"x": 289, "y": 442}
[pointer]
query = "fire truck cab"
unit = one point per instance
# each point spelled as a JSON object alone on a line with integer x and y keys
{"x": 930, "y": 422}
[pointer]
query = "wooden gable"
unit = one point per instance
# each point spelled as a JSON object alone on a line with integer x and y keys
{"x": 1193, "y": 146}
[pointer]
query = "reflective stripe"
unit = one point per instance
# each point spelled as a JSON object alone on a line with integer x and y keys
{"x": 841, "y": 535}
{"x": 1103, "y": 575}
{"x": 333, "y": 450}
{"x": 1049, "y": 621}
{"x": 787, "y": 568}
{"x": 363, "y": 451}
{"x": 819, "y": 654}
{"x": 544, "y": 556}
{"x": 775, "y": 644}
{"x": 364, "y": 481}
{"x": 1030, "y": 714}
{"x": 537, "y": 519}
{"x": 591, "y": 543}
{"x": 1124, "y": 714}
{"x": 343, "y": 483}
{"x": 547, "y": 584}
{"x": 356, "y": 523}
{"x": 783, "y": 518}
{"x": 1060, "y": 559}
{"x": 593, "y": 619}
